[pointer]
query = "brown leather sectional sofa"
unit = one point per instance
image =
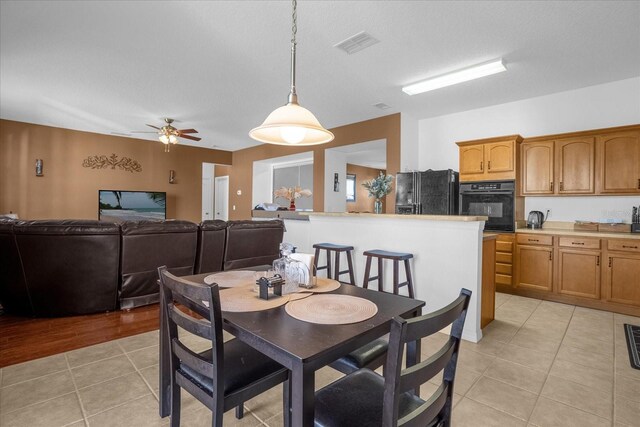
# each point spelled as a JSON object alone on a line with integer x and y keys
{"x": 67, "y": 267}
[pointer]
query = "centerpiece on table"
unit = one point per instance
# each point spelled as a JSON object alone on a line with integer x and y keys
{"x": 291, "y": 194}
{"x": 379, "y": 187}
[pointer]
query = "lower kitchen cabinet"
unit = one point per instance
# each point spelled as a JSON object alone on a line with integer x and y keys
{"x": 534, "y": 268}
{"x": 622, "y": 279}
{"x": 579, "y": 273}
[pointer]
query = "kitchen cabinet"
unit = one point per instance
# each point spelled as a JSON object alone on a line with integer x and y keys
{"x": 579, "y": 267}
{"x": 537, "y": 168}
{"x": 622, "y": 279}
{"x": 619, "y": 163}
{"x": 490, "y": 159}
{"x": 504, "y": 261}
{"x": 534, "y": 269}
{"x": 575, "y": 165}
{"x": 563, "y": 166}
{"x": 488, "y": 302}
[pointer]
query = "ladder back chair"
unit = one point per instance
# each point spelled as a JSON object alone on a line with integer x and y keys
{"x": 223, "y": 377}
{"x": 366, "y": 398}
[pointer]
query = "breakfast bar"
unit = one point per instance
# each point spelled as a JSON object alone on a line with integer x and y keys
{"x": 447, "y": 251}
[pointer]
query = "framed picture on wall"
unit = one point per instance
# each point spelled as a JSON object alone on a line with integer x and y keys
{"x": 351, "y": 188}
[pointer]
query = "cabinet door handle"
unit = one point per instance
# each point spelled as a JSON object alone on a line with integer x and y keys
{"x": 533, "y": 240}
{"x": 598, "y": 261}
{"x": 561, "y": 186}
{"x": 577, "y": 243}
{"x": 551, "y": 186}
{"x": 481, "y": 166}
{"x": 638, "y": 183}
{"x": 489, "y": 165}
{"x": 609, "y": 261}
{"x": 629, "y": 247}
{"x": 550, "y": 256}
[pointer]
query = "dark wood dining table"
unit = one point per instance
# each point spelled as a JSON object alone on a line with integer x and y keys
{"x": 300, "y": 346}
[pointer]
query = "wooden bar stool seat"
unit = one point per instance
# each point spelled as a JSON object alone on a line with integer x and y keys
{"x": 336, "y": 250}
{"x": 396, "y": 257}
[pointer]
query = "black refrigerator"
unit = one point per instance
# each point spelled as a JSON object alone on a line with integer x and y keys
{"x": 429, "y": 192}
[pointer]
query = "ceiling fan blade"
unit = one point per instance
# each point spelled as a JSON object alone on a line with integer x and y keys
{"x": 194, "y": 138}
{"x": 143, "y": 131}
{"x": 187, "y": 131}
{"x": 155, "y": 127}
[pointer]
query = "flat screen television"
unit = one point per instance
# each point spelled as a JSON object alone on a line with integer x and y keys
{"x": 118, "y": 206}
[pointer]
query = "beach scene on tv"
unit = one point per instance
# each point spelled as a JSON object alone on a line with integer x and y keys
{"x": 118, "y": 206}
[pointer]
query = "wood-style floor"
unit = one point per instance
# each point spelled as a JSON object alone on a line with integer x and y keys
{"x": 23, "y": 338}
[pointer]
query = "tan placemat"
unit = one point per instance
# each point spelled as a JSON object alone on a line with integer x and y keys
{"x": 231, "y": 279}
{"x": 323, "y": 285}
{"x": 245, "y": 299}
{"x": 332, "y": 309}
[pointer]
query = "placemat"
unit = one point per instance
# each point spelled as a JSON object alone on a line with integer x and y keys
{"x": 231, "y": 279}
{"x": 332, "y": 309}
{"x": 242, "y": 299}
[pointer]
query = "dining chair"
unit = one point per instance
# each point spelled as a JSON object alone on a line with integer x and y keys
{"x": 366, "y": 398}
{"x": 224, "y": 376}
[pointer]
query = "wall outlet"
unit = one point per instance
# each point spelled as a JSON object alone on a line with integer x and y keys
{"x": 548, "y": 213}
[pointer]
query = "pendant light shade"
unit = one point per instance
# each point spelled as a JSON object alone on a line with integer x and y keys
{"x": 292, "y": 124}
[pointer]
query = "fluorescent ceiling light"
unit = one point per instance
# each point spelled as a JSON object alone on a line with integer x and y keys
{"x": 455, "y": 77}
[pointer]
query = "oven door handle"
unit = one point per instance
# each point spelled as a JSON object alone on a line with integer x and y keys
{"x": 482, "y": 193}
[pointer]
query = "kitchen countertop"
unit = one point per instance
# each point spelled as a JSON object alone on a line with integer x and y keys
{"x": 489, "y": 236}
{"x": 457, "y": 218}
{"x": 570, "y": 232}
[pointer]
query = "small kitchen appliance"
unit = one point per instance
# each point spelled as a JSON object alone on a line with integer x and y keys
{"x": 535, "y": 219}
{"x": 635, "y": 220}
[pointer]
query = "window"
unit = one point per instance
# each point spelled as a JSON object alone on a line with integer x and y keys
{"x": 351, "y": 188}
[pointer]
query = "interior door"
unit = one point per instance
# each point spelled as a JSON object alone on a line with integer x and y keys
{"x": 222, "y": 198}
{"x": 207, "y": 198}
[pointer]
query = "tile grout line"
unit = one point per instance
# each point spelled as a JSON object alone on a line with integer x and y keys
{"x": 75, "y": 387}
{"x": 138, "y": 371}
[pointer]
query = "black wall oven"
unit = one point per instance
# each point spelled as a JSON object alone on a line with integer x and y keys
{"x": 494, "y": 199}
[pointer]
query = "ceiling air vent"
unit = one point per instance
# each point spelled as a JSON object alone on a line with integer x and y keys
{"x": 356, "y": 43}
{"x": 382, "y": 106}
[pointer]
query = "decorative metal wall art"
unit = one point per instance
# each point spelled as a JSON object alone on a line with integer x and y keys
{"x": 103, "y": 162}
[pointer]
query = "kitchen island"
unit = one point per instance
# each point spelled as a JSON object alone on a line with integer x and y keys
{"x": 447, "y": 252}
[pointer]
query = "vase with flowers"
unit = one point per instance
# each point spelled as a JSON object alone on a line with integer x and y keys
{"x": 291, "y": 194}
{"x": 378, "y": 188}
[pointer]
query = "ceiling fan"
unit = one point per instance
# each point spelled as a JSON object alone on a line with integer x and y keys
{"x": 169, "y": 135}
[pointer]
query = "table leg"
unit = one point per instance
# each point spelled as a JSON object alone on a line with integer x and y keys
{"x": 165, "y": 367}
{"x": 303, "y": 396}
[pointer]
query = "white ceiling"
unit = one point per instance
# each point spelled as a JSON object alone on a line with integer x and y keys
{"x": 221, "y": 67}
{"x": 371, "y": 154}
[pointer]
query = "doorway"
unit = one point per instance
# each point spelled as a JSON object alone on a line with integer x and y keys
{"x": 221, "y": 197}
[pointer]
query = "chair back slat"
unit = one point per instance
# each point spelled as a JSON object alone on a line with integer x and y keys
{"x": 415, "y": 376}
{"x": 424, "y": 415}
{"x": 201, "y": 328}
{"x": 191, "y": 359}
{"x": 399, "y": 381}
{"x": 431, "y": 323}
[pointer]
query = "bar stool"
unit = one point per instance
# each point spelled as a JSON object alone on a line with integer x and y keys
{"x": 396, "y": 257}
{"x": 337, "y": 249}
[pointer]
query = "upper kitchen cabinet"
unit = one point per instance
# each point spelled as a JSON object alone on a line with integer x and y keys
{"x": 603, "y": 161}
{"x": 489, "y": 159}
{"x": 619, "y": 162}
{"x": 537, "y": 168}
{"x": 575, "y": 165}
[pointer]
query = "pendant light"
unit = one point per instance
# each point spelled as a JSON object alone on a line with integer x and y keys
{"x": 292, "y": 124}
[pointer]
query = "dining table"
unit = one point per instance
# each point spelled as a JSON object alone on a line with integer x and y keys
{"x": 300, "y": 346}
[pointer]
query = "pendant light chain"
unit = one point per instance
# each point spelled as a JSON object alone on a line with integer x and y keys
{"x": 294, "y": 19}
{"x": 293, "y": 96}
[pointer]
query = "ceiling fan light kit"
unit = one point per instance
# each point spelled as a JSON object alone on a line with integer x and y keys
{"x": 455, "y": 77}
{"x": 292, "y": 124}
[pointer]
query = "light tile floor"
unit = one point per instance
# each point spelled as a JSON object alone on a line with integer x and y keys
{"x": 539, "y": 364}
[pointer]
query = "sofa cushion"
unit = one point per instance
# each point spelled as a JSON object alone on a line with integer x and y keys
{"x": 211, "y": 241}
{"x": 147, "y": 245}
{"x": 252, "y": 243}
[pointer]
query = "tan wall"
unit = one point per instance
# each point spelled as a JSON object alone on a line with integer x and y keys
{"x": 363, "y": 202}
{"x": 69, "y": 190}
{"x": 241, "y": 177}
